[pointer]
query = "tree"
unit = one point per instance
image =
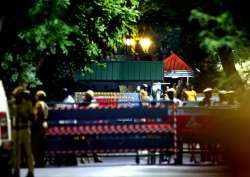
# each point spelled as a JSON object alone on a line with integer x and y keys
{"x": 168, "y": 22}
{"x": 163, "y": 22}
{"x": 13, "y": 66}
{"x": 223, "y": 28}
{"x": 66, "y": 36}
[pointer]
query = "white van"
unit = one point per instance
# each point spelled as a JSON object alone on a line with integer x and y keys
{"x": 5, "y": 124}
{"x": 5, "y": 135}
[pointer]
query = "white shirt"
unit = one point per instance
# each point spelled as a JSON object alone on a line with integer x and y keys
{"x": 69, "y": 99}
{"x": 176, "y": 101}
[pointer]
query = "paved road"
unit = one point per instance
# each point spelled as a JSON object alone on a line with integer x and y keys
{"x": 126, "y": 167}
{"x": 129, "y": 171}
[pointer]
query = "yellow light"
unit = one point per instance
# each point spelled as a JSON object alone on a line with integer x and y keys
{"x": 129, "y": 41}
{"x": 145, "y": 43}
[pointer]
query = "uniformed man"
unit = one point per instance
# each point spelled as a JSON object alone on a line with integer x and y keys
{"x": 171, "y": 96}
{"x": 39, "y": 128}
{"x": 231, "y": 96}
{"x": 22, "y": 111}
{"x": 206, "y": 101}
{"x": 90, "y": 102}
{"x": 223, "y": 97}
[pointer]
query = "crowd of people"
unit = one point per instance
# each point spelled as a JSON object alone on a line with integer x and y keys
{"x": 181, "y": 95}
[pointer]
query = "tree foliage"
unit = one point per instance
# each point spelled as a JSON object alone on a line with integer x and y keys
{"x": 66, "y": 34}
{"x": 206, "y": 30}
{"x": 99, "y": 27}
{"x": 223, "y": 29}
{"x": 60, "y": 37}
{"x": 217, "y": 31}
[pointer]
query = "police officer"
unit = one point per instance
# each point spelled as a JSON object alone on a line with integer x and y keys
{"x": 39, "y": 128}
{"x": 206, "y": 101}
{"x": 90, "y": 102}
{"x": 223, "y": 97}
{"x": 22, "y": 111}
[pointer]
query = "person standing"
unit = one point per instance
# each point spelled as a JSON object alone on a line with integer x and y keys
{"x": 207, "y": 101}
{"x": 223, "y": 97}
{"x": 39, "y": 128}
{"x": 231, "y": 97}
{"x": 171, "y": 96}
{"x": 145, "y": 101}
{"x": 67, "y": 97}
{"x": 22, "y": 112}
{"x": 90, "y": 102}
{"x": 67, "y": 102}
{"x": 144, "y": 97}
{"x": 190, "y": 94}
{"x": 179, "y": 89}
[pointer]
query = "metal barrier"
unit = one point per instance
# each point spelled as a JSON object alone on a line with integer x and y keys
{"x": 165, "y": 128}
{"x": 77, "y": 130}
{"x": 202, "y": 129}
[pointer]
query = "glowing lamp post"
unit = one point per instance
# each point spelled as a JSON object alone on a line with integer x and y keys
{"x": 129, "y": 43}
{"x": 137, "y": 45}
{"x": 145, "y": 44}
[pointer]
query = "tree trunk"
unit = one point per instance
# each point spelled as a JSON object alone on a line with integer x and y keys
{"x": 233, "y": 78}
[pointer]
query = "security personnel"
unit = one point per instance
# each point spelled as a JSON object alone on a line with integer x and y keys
{"x": 39, "y": 128}
{"x": 22, "y": 111}
{"x": 206, "y": 101}
{"x": 231, "y": 97}
{"x": 223, "y": 97}
{"x": 143, "y": 94}
{"x": 90, "y": 102}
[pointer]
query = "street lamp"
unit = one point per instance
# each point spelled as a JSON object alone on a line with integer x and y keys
{"x": 129, "y": 41}
{"x": 137, "y": 45}
{"x": 145, "y": 44}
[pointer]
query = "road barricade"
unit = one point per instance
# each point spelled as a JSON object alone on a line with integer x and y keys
{"x": 202, "y": 130}
{"x": 78, "y": 130}
{"x": 126, "y": 130}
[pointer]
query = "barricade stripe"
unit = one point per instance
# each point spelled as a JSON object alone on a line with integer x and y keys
{"x": 110, "y": 129}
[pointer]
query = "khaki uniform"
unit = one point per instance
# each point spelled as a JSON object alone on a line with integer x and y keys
{"x": 39, "y": 132}
{"x": 22, "y": 113}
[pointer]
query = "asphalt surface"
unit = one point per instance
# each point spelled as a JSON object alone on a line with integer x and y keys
{"x": 130, "y": 171}
{"x": 126, "y": 167}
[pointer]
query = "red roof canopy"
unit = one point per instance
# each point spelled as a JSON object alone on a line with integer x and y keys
{"x": 173, "y": 62}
